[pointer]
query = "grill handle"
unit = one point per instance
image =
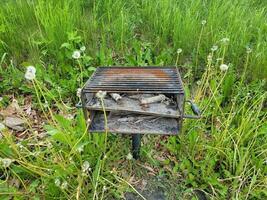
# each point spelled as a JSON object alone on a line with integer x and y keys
{"x": 195, "y": 110}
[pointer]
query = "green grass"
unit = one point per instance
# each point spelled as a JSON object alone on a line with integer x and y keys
{"x": 30, "y": 30}
{"x": 223, "y": 154}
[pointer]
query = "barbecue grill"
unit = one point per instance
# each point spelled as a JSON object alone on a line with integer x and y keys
{"x": 137, "y": 100}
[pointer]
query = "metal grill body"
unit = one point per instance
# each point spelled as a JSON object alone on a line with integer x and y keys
{"x": 156, "y": 118}
{"x": 130, "y": 115}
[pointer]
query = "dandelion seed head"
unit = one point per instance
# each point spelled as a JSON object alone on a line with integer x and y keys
{"x": 209, "y": 58}
{"x": 249, "y": 50}
{"x": 30, "y": 73}
{"x": 70, "y": 117}
{"x": 225, "y": 40}
{"x": 101, "y": 94}
{"x": 57, "y": 182}
{"x": 31, "y": 69}
{"x": 224, "y": 67}
{"x": 179, "y": 51}
{"x": 49, "y": 145}
{"x": 203, "y": 22}
{"x": 88, "y": 121}
{"x": 46, "y": 105}
{"x": 80, "y": 149}
{"x": 83, "y": 48}
{"x": 129, "y": 156}
{"x": 79, "y": 92}
{"x": 20, "y": 146}
{"x": 5, "y": 162}
{"x": 214, "y": 48}
{"x": 64, "y": 185}
{"x": 76, "y": 54}
{"x": 85, "y": 166}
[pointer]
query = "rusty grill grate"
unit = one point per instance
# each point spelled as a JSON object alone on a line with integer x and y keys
{"x": 136, "y": 80}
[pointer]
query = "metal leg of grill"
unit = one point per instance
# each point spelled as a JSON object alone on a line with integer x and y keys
{"x": 136, "y": 144}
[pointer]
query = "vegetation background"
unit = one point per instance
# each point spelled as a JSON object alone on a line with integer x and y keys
{"x": 222, "y": 156}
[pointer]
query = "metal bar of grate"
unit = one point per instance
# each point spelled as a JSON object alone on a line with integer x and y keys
{"x": 135, "y": 79}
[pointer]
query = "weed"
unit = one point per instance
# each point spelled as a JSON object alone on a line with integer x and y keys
{"x": 221, "y": 156}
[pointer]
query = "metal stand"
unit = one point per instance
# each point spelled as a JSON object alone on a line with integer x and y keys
{"x": 136, "y": 144}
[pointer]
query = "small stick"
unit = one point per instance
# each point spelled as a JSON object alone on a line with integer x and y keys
{"x": 115, "y": 96}
{"x": 154, "y": 99}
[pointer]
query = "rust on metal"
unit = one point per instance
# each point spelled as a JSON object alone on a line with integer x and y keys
{"x": 157, "y": 73}
{"x": 135, "y": 80}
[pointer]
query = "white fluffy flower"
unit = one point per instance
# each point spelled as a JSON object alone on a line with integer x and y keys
{"x": 209, "y": 58}
{"x": 129, "y": 156}
{"x": 225, "y": 40}
{"x": 20, "y": 146}
{"x": 80, "y": 149}
{"x": 76, "y": 54}
{"x": 88, "y": 121}
{"x": 57, "y": 182}
{"x": 70, "y": 117}
{"x": 224, "y": 67}
{"x": 5, "y": 162}
{"x": 85, "y": 166}
{"x": 214, "y": 48}
{"x": 46, "y": 105}
{"x": 82, "y": 48}
{"x": 79, "y": 92}
{"x": 30, "y": 73}
{"x": 101, "y": 94}
{"x": 249, "y": 50}
{"x": 105, "y": 188}
{"x": 179, "y": 50}
{"x": 64, "y": 185}
{"x": 203, "y": 22}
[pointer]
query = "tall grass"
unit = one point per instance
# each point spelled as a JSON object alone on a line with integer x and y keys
{"x": 223, "y": 154}
{"x": 35, "y": 27}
